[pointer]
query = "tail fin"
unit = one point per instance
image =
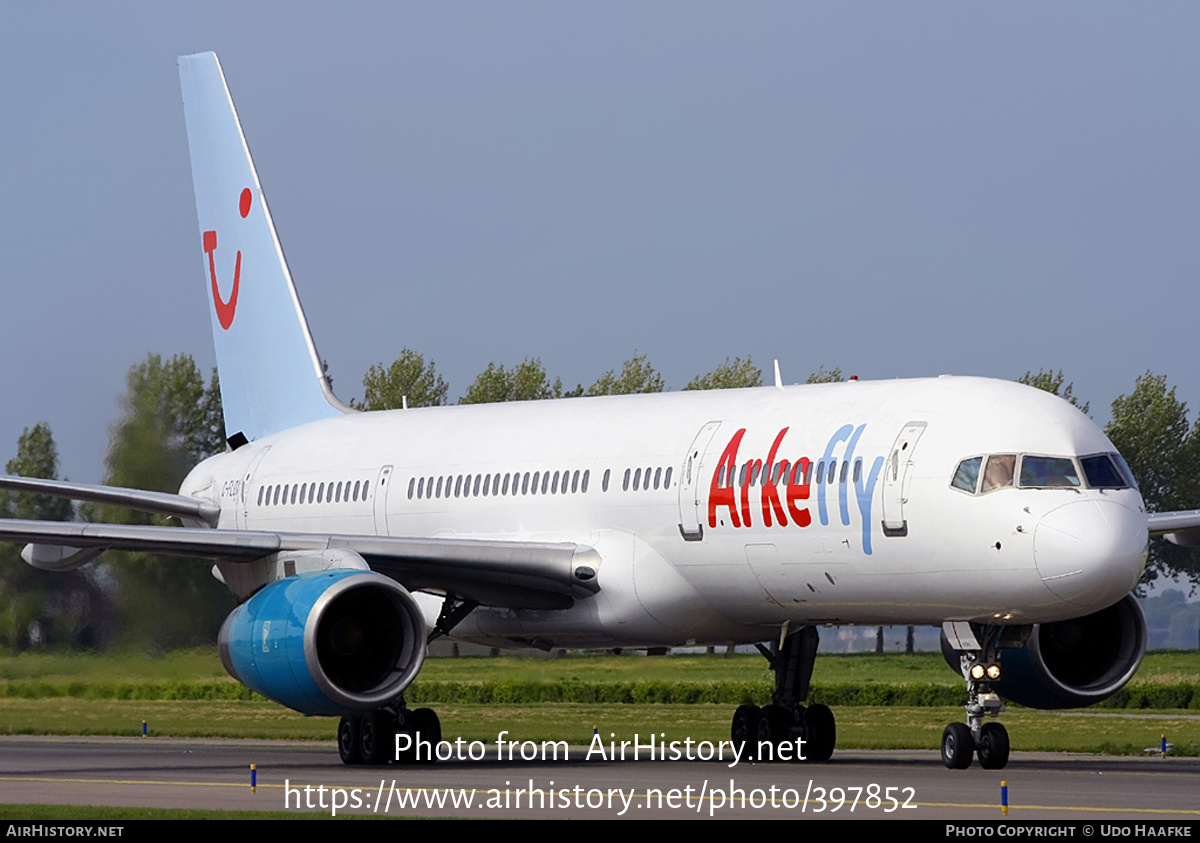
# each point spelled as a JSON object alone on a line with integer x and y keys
{"x": 271, "y": 376}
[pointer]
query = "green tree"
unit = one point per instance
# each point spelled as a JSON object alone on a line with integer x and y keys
{"x": 1150, "y": 429}
{"x": 409, "y": 379}
{"x": 636, "y": 376}
{"x": 43, "y": 606}
{"x": 1052, "y": 382}
{"x": 524, "y": 382}
{"x": 732, "y": 374}
{"x": 169, "y": 422}
{"x": 823, "y": 375}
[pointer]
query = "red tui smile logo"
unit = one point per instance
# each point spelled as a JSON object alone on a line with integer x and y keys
{"x": 226, "y": 309}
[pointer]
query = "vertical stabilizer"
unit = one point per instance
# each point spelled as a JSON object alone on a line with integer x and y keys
{"x": 271, "y": 376}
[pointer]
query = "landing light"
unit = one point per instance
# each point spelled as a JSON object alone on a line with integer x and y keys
{"x": 991, "y": 671}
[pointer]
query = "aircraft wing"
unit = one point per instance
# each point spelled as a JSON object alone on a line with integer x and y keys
{"x": 1181, "y": 528}
{"x": 160, "y": 503}
{"x": 514, "y": 574}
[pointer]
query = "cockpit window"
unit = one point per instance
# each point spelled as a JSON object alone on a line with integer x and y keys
{"x": 999, "y": 472}
{"x": 966, "y": 476}
{"x": 1102, "y": 473}
{"x": 1125, "y": 472}
{"x": 1048, "y": 472}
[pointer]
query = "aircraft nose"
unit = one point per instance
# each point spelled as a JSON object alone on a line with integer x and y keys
{"x": 1091, "y": 552}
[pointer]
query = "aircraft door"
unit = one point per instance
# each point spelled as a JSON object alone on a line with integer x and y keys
{"x": 243, "y": 511}
{"x": 691, "y": 482}
{"x": 896, "y": 478}
{"x": 381, "y": 495}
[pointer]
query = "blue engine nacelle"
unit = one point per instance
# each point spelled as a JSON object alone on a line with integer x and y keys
{"x": 334, "y": 642}
{"x": 1070, "y": 664}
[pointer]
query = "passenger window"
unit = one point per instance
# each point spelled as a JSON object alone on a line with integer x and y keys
{"x": 260, "y": 495}
{"x": 667, "y": 479}
{"x": 583, "y": 486}
{"x": 575, "y": 482}
{"x": 357, "y": 485}
{"x": 637, "y": 480}
{"x": 999, "y": 472}
{"x": 845, "y": 465}
{"x": 966, "y": 476}
{"x": 554, "y": 485}
{"x": 858, "y": 470}
{"x": 475, "y": 487}
{"x": 603, "y": 481}
{"x": 545, "y": 481}
{"x": 366, "y": 485}
{"x": 820, "y": 472}
{"x": 625, "y": 485}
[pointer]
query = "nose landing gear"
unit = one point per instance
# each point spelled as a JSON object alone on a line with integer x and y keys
{"x": 980, "y": 665}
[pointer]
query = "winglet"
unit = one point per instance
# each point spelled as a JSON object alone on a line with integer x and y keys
{"x": 271, "y": 376}
{"x": 778, "y": 378}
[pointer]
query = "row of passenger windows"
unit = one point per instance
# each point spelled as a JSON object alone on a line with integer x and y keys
{"x": 785, "y": 473}
{"x": 1102, "y": 471}
{"x": 483, "y": 485}
{"x": 292, "y": 493}
{"x": 531, "y": 483}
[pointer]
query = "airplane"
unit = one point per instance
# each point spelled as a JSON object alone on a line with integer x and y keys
{"x": 350, "y": 539}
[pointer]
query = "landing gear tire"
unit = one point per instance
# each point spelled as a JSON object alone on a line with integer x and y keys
{"x": 774, "y": 729}
{"x": 958, "y": 747}
{"x": 374, "y": 735}
{"x": 993, "y": 746}
{"x": 822, "y": 732}
{"x": 744, "y": 731}
{"x": 427, "y": 730}
{"x": 348, "y": 745}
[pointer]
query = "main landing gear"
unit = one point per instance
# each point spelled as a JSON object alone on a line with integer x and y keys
{"x": 375, "y": 736}
{"x": 980, "y": 664}
{"x": 786, "y": 730}
{"x": 393, "y": 732}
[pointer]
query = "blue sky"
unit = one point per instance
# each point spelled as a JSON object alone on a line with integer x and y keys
{"x": 895, "y": 189}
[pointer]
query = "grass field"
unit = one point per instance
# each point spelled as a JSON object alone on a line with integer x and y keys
{"x": 1112, "y": 731}
{"x": 204, "y": 664}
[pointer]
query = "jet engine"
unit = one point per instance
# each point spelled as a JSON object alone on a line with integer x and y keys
{"x": 1074, "y": 663}
{"x": 334, "y": 642}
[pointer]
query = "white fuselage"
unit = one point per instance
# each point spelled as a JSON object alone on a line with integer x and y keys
{"x": 692, "y": 558}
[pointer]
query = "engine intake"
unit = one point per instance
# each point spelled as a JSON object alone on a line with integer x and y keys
{"x": 334, "y": 642}
{"x": 1073, "y": 663}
